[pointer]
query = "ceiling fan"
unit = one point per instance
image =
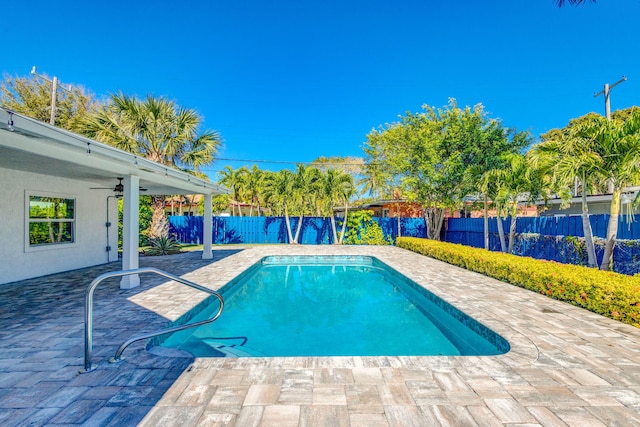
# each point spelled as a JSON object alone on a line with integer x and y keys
{"x": 119, "y": 188}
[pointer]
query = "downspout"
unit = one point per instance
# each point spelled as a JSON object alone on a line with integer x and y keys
{"x": 108, "y": 225}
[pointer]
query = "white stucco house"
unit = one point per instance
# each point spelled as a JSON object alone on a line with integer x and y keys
{"x": 59, "y": 209}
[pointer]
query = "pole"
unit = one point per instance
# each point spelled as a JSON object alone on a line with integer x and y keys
{"x": 606, "y": 91}
{"x": 54, "y": 84}
{"x": 607, "y": 111}
{"x": 54, "y": 91}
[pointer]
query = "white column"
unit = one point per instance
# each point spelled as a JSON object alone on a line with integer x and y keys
{"x": 208, "y": 228}
{"x": 130, "y": 231}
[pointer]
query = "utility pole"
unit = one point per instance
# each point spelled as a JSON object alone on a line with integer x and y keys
{"x": 54, "y": 90}
{"x": 607, "y": 112}
{"x": 605, "y": 92}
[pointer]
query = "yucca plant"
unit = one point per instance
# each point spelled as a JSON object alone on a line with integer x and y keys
{"x": 163, "y": 246}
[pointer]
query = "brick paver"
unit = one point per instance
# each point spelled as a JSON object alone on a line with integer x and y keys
{"x": 566, "y": 367}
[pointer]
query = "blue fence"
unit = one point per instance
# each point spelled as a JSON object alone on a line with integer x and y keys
{"x": 545, "y": 237}
{"x": 315, "y": 230}
{"x": 628, "y": 229}
{"x": 537, "y": 237}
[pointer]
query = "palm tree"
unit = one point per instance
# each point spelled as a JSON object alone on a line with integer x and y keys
{"x": 337, "y": 188}
{"x": 617, "y": 143}
{"x": 278, "y": 189}
{"x": 157, "y": 129}
{"x": 561, "y": 3}
{"x": 304, "y": 193}
{"x": 254, "y": 186}
{"x": 597, "y": 149}
{"x": 510, "y": 186}
{"x": 236, "y": 181}
{"x": 568, "y": 154}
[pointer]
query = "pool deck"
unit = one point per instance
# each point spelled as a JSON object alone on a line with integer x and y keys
{"x": 566, "y": 367}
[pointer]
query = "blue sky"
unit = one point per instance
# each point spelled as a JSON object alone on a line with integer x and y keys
{"x": 295, "y": 80}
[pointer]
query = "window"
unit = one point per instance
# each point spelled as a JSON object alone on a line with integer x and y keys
{"x": 385, "y": 213}
{"x": 51, "y": 220}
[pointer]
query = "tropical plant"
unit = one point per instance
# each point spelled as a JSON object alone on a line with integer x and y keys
{"x": 561, "y": 3}
{"x": 305, "y": 193}
{"x": 436, "y": 158}
{"x": 254, "y": 183}
{"x": 568, "y": 158}
{"x": 157, "y": 129}
{"x": 363, "y": 230}
{"x": 510, "y": 186}
{"x": 163, "y": 245}
{"x": 236, "y": 180}
{"x": 600, "y": 150}
{"x": 337, "y": 189}
{"x": 278, "y": 189}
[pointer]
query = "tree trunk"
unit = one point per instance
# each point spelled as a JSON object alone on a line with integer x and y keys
{"x": 333, "y": 230}
{"x": 159, "y": 226}
{"x": 612, "y": 231}
{"x": 434, "y": 217}
{"x": 286, "y": 219}
{"x": 298, "y": 228}
{"x": 486, "y": 223}
{"x": 503, "y": 244}
{"x": 344, "y": 223}
{"x": 512, "y": 228}
{"x": 586, "y": 230}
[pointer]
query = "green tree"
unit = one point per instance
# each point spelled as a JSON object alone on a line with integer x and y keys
{"x": 337, "y": 188}
{"x": 278, "y": 189}
{"x": 305, "y": 194}
{"x": 568, "y": 159}
{"x": 600, "y": 150}
{"x": 255, "y": 188}
{"x": 236, "y": 180}
{"x": 436, "y": 157}
{"x": 157, "y": 129}
{"x": 31, "y": 96}
{"x": 518, "y": 182}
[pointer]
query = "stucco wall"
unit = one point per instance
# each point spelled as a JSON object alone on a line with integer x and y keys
{"x": 18, "y": 262}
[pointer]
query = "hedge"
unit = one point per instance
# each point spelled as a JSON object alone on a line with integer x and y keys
{"x": 607, "y": 293}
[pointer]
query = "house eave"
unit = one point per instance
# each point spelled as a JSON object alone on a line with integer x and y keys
{"x": 32, "y": 146}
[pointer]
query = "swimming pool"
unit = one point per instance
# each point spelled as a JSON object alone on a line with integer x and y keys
{"x": 331, "y": 306}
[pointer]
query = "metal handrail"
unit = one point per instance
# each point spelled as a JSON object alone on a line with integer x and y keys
{"x": 88, "y": 313}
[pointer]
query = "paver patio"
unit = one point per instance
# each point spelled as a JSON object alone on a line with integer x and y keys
{"x": 567, "y": 366}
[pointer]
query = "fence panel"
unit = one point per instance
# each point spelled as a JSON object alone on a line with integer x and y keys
{"x": 314, "y": 231}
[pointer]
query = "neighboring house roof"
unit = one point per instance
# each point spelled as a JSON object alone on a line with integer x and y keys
{"x": 631, "y": 193}
{"x": 32, "y": 146}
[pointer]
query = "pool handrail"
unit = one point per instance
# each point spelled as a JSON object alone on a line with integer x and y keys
{"x": 88, "y": 317}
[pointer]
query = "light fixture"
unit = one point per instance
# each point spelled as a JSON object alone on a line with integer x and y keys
{"x": 10, "y": 122}
{"x": 135, "y": 161}
{"x": 166, "y": 173}
{"x": 88, "y": 149}
{"x": 625, "y": 199}
{"x": 119, "y": 188}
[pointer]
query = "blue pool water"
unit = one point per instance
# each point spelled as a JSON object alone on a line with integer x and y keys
{"x": 331, "y": 306}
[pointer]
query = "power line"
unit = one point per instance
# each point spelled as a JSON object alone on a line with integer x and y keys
{"x": 289, "y": 162}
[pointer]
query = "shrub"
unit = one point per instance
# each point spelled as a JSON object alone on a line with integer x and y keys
{"x": 163, "y": 246}
{"x": 362, "y": 229}
{"x": 607, "y": 293}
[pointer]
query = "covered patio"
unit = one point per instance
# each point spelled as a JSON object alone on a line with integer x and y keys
{"x": 566, "y": 367}
{"x": 42, "y": 162}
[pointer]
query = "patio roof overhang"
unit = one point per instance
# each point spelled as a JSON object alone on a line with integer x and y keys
{"x": 32, "y": 146}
